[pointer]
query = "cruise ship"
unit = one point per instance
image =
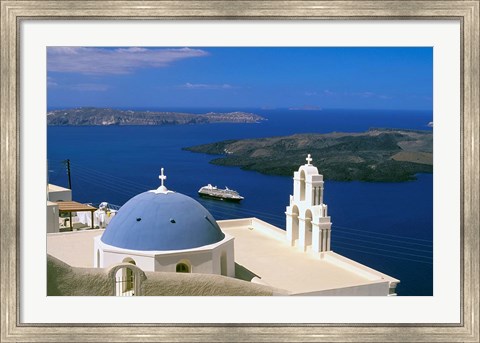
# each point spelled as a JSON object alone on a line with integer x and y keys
{"x": 221, "y": 194}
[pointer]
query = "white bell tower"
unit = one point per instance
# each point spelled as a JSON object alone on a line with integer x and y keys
{"x": 308, "y": 223}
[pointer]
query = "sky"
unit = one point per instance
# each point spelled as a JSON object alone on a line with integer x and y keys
{"x": 241, "y": 77}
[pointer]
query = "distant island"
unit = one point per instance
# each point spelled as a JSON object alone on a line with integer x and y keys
{"x": 109, "y": 116}
{"x": 305, "y": 108}
{"x": 379, "y": 155}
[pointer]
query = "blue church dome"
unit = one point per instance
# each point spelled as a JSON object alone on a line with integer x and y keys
{"x": 162, "y": 220}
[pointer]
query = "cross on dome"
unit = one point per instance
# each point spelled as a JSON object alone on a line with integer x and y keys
{"x": 309, "y": 160}
{"x": 162, "y": 177}
{"x": 162, "y": 188}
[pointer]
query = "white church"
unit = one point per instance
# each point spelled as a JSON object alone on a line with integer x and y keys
{"x": 164, "y": 231}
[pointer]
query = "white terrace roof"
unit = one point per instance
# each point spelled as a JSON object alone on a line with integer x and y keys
{"x": 262, "y": 248}
{"x": 259, "y": 247}
{"x": 55, "y": 188}
{"x": 74, "y": 247}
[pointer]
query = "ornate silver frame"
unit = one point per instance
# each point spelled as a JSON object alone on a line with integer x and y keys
{"x": 13, "y": 12}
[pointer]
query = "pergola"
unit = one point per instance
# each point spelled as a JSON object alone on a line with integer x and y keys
{"x": 73, "y": 206}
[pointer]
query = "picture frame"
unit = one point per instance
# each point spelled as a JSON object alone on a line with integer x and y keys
{"x": 14, "y": 12}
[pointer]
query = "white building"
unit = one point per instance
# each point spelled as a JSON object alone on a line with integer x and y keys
{"x": 165, "y": 231}
{"x": 65, "y": 214}
{"x": 161, "y": 230}
{"x": 55, "y": 194}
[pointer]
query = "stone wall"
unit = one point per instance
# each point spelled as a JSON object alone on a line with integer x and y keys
{"x": 64, "y": 280}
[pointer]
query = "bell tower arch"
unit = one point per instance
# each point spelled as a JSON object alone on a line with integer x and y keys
{"x": 307, "y": 220}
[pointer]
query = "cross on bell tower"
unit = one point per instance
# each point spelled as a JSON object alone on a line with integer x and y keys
{"x": 309, "y": 160}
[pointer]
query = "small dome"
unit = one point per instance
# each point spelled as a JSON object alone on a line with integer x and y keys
{"x": 308, "y": 168}
{"x": 162, "y": 221}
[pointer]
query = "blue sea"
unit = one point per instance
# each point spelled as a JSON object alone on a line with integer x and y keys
{"x": 386, "y": 226}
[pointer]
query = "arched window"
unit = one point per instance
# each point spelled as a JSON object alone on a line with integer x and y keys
{"x": 129, "y": 260}
{"x": 302, "y": 185}
{"x": 183, "y": 268}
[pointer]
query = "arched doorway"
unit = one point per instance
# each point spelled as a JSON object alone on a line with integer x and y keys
{"x": 125, "y": 279}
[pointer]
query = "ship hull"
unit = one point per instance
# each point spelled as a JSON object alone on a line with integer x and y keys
{"x": 219, "y": 197}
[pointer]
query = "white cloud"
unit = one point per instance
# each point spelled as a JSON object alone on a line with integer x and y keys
{"x": 189, "y": 85}
{"x": 84, "y": 60}
{"x": 51, "y": 82}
